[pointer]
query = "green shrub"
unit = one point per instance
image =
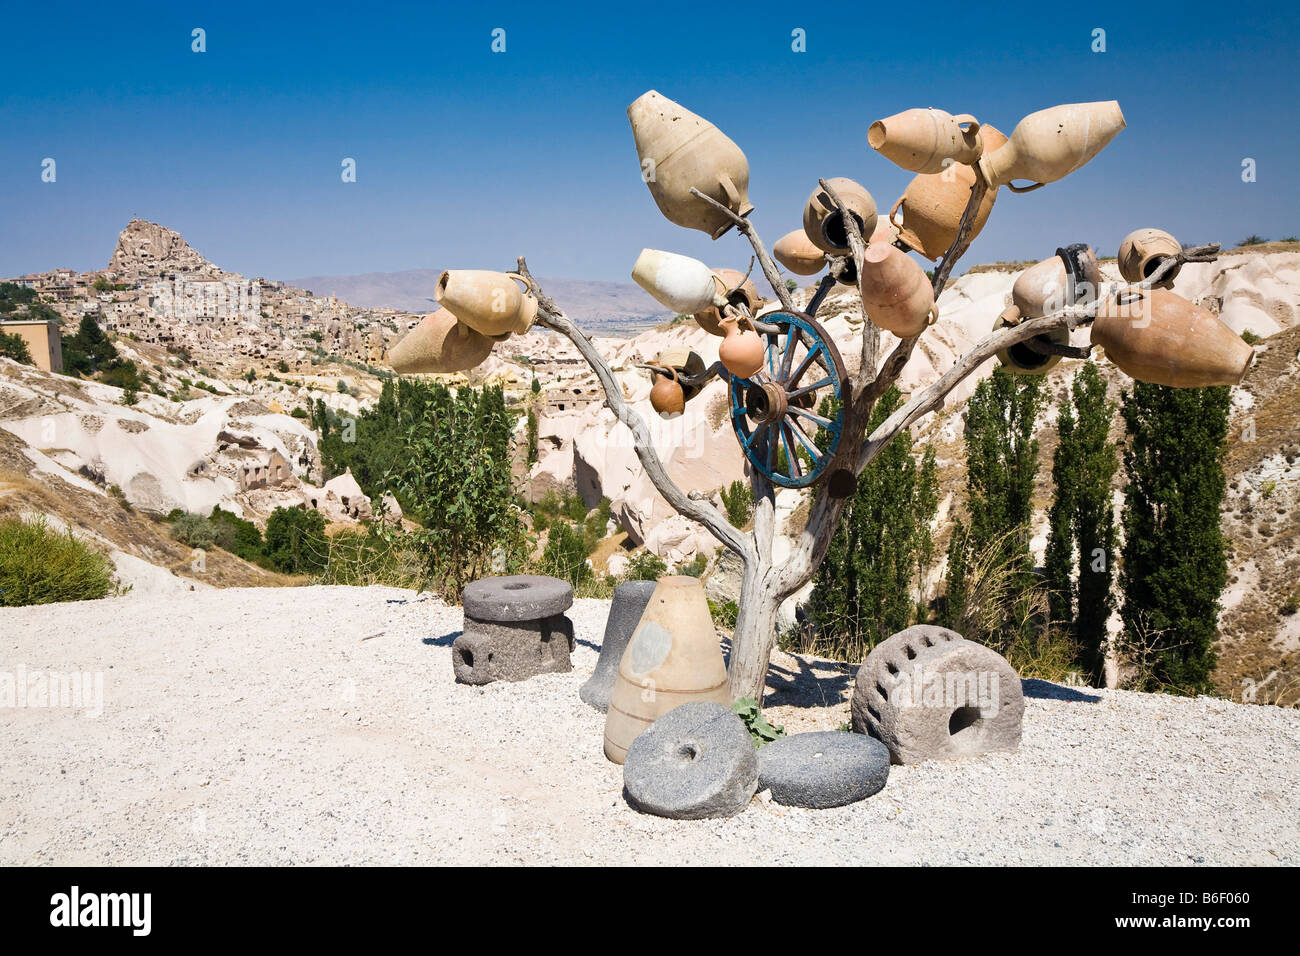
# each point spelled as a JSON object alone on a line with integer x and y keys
{"x": 295, "y": 541}
{"x": 364, "y": 558}
{"x": 724, "y": 613}
{"x": 14, "y": 346}
{"x": 41, "y": 566}
{"x": 565, "y": 555}
{"x": 738, "y": 501}
{"x": 696, "y": 567}
{"x": 645, "y": 566}
{"x": 193, "y": 530}
{"x": 1250, "y": 338}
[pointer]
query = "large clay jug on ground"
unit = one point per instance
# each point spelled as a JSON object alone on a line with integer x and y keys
{"x": 932, "y": 204}
{"x": 666, "y": 395}
{"x": 1052, "y": 143}
{"x": 439, "y": 343}
{"x": 927, "y": 140}
{"x": 681, "y": 283}
{"x": 679, "y": 150}
{"x": 1048, "y": 286}
{"x": 896, "y": 295}
{"x": 796, "y": 252}
{"x": 1143, "y": 251}
{"x": 1158, "y": 337}
{"x": 673, "y": 658}
{"x": 491, "y": 303}
{"x": 737, "y": 289}
{"x": 741, "y": 351}
{"x": 822, "y": 220}
{"x": 1020, "y": 359}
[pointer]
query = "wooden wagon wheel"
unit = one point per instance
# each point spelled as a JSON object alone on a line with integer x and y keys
{"x": 775, "y": 413}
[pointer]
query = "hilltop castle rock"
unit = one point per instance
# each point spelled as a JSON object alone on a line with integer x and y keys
{"x": 146, "y": 250}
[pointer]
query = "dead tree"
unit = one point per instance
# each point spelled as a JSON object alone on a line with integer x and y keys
{"x": 765, "y": 584}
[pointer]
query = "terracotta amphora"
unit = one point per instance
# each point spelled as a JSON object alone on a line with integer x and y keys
{"x": 681, "y": 283}
{"x": 439, "y": 343}
{"x": 491, "y": 303}
{"x": 741, "y": 351}
{"x": 796, "y": 252}
{"x": 1048, "y": 286}
{"x": 1020, "y": 359}
{"x": 896, "y": 295}
{"x": 673, "y": 658}
{"x": 932, "y": 204}
{"x": 666, "y": 395}
{"x": 927, "y": 140}
{"x": 1158, "y": 337}
{"x": 1143, "y": 251}
{"x": 679, "y": 150}
{"x": 821, "y": 217}
{"x": 1052, "y": 143}
{"x": 736, "y": 288}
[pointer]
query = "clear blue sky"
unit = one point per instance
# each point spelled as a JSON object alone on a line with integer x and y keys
{"x": 466, "y": 158}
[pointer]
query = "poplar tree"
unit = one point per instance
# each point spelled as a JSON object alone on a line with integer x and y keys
{"x": 1082, "y": 519}
{"x": 1174, "y": 558}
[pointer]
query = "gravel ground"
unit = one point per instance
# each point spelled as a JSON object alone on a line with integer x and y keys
{"x": 322, "y": 725}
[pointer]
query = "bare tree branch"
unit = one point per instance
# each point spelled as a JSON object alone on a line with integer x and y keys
{"x": 764, "y": 260}
{"x": 704, "y": 512}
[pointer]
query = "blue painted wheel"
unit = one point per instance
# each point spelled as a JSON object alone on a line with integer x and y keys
{"x": 776, "y": 412}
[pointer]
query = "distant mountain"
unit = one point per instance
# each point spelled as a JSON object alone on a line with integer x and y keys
{"x": 607, "y": 308}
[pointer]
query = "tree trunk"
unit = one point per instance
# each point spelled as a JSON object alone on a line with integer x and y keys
{"x": 755, "y": 633}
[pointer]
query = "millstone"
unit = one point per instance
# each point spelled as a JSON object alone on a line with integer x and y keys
{"x": 824, "y": 769}
{"x": 514, "y": 629}
{"x": 695, "y": 761}
{"x": 630, "y": 600}
{"x": 927, "y": 693}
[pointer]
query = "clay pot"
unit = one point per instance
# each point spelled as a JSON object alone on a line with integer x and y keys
{"x": 1044, "y": 287}
{"x": 932, "y": 204}
{"x": 741, "y": 351}
{"x": 673, "y": 658}
{"x": 439, "y": 343}
{"x": 681, "y": 283}
{"x": 927, "y": 140}
{"x": 822, "y": 222}
{"x": 1158, "y": 337}
{"x": 679, "y": 150}
{"x": 666, "y": 396}
{"x": 796, "y": 252}
{"x": 686, "y": 363}
{"x": 1052, "y": 143}
{"x": 1143, "y": 251}
{"x": 1020, "y": 359}
{"x": 736, "y": 289}
{"x": 896, "y": 295}
{"x": 491, "y": 303}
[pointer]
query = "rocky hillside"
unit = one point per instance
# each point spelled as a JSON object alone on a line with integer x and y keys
{"x": 148, "y": 250}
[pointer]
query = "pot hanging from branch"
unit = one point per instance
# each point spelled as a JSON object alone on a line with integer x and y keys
{"x": 439, "y": 343}
{"x": 1049, "y": 145}
{"x": 495, "y": 304}
{"x": 927, "y": 140}
{"x": 1145, "y": 250}
{"x": 683, "y": 284}
{"x": 823, "y": 223}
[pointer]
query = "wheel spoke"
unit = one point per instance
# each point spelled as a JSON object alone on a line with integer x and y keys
{"x": 805, "y": 389}
{"x": 792, "y": 339}
{"x": 790, "y": 455}
{"x": 803, "y": 366}
{"x": 804, "y": 413}
{"x": 804, "y": 440}
{"x": 771, "y": 450}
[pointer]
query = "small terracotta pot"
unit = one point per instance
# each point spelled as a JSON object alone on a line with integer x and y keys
{"x": 1158, "y": 337}
{"x": 1142, "y": 252}
{"x": 678, "y": 150}
{"x": 491, "y": 303}
{"x": 1049, "y": 145}
{"x": 741, "y": 351}
{"x": 686, "y": 363}
{"x": 439, "y": 344}
{"x": 681, "y": 283}
{"x": 736, "y": 289}
{"x": 927, "y": 140}
{"x": 666, "y": 395}
{"x": 1020, "y": 359}
{"x": 822, "y": 221}
{"x": 896, "y": 295}
{"x": 932, "y": 205}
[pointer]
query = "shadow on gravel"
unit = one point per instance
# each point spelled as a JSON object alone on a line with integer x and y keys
{"x": 1046, "y": 690}
{"x": 817, "y": 684}
{"x": 444, "y": 641}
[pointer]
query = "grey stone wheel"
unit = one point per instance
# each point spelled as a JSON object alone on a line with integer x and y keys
{"x": 823, "y": 769}
{"x": 516, "y": 597}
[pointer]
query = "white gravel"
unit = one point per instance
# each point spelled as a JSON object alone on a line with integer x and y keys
{"x": 257, "y": 726}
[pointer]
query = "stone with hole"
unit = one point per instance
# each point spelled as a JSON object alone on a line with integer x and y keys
{"x": 515, "y": 628}
{"x": 927, "y": 693}
{"x": 823, "y": 769}
{"x": 630, "y": 600}
{"x": 694, "y": 762}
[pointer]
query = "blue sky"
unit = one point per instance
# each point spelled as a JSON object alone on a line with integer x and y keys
{"x": 467, "y": 158}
